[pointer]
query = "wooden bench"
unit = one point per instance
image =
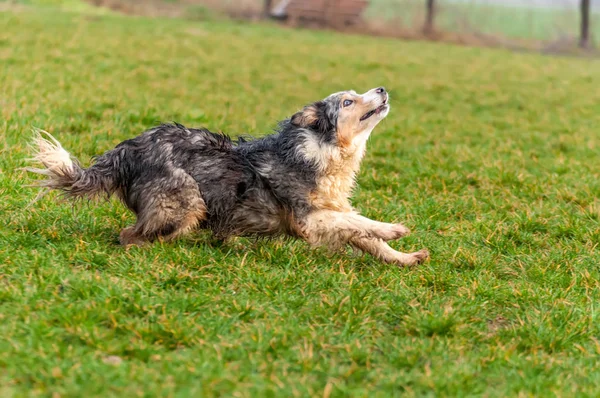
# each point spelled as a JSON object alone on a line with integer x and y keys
{"x": 332, "y": 13}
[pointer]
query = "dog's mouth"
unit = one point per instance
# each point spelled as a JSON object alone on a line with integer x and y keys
{"x": 375, "y": 111}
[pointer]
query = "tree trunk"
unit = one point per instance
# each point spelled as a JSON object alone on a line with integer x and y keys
{"x": 268, "y": 7}
{"x": 428, "y": 27}
{"x": 584, "y": 40}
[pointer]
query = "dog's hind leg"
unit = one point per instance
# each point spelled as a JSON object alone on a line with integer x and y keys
{"x": 170, "y": 208}
{"x": 161, "y": 226}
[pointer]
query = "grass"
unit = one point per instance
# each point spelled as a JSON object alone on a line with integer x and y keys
{"x": 490, "y": 157}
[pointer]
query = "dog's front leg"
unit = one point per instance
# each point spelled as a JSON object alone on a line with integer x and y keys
{"x": 381, "y": 230}
{"x": 380, "y": 249}
{"x": 332, "y": 227}
{"x": 336, "y": 229}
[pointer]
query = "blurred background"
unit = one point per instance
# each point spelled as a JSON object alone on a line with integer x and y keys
{"x": 545, "y": 25}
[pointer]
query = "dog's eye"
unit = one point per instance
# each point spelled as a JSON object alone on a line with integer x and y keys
{"x": 348, "y": 103}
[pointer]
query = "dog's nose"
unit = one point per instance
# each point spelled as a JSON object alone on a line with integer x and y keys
{"x": 380, "y": 90}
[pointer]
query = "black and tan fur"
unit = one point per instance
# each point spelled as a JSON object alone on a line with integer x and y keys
{"x": 296, "y": 182}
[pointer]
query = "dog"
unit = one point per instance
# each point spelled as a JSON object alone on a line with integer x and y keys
{"x": 295, "y": 182}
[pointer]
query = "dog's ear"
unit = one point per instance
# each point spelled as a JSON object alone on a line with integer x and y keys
{"x": 315, "y": 117}
{"x": 307, "y": 117}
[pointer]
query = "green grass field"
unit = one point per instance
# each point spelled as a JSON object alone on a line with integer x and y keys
{"x": 490, "y": 157}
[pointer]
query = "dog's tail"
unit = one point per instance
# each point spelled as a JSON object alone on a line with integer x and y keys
{"x": 65, "y": 174}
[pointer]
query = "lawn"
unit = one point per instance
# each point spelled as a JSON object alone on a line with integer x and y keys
{"x": 490, "y": 157}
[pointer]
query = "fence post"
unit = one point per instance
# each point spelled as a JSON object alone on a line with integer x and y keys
{"x": 267, "y": 10}
{"x": 430, "y": 15}
{"x": 584, "y": 40}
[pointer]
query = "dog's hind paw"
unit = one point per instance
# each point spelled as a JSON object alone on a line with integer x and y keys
{"x": 129, "y": 238}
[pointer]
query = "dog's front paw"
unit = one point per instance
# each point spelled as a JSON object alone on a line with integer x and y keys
{"x": 400, "y": 230}
{"x": 415, "y": 258}
{"x": 420, "y": 256}
{"x": 394, "y": 231}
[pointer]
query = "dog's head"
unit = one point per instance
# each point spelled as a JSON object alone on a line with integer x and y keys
{"x": 344, "y": 118}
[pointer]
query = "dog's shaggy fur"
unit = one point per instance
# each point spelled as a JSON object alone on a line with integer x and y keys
{"x": 296, "y": 182}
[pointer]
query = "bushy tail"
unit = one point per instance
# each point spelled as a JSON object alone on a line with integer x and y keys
{"x": 65, "y": 174}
